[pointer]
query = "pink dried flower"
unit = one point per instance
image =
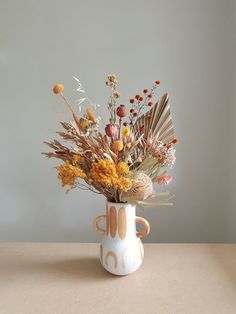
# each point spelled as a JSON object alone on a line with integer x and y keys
{"x": 164, "y": 180}
{"x": 110, "y": 130}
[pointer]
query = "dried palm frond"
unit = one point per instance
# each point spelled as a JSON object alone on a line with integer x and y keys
{"x": 160, "y": 125}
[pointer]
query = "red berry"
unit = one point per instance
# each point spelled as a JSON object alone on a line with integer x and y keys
{"x": 150, "y": 103}
{"x": 149, "y": 117}
{"x": 157, "y": 82}
{"x": 135, "y": 114}
{"x": 145, "y": 91}
{"x": 140, "y": 98}
{"x": 131, "y": 101}
{"x": 125, "y": 124}
{"x": 131, "y": 110}
{"x": 150, "y": 96}
{"x": 137, "y": 97}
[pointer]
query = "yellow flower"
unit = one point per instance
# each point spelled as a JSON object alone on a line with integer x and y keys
{"x": 128, "y": 145}
{"x": 124, "y": 184}
{"x": 103, "y": 171}
{"x": 122, "y": 168}
{"x": 125, "y": 132}
{"x": 68, "y": 173}
{"x": 84, "y": 123}
{"x": 117, "y": 145}
{"x": 76, "y": 159}
{"x": 106, "y": 173}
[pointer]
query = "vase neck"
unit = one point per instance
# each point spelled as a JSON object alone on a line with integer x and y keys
{"x": 121, "y": 220}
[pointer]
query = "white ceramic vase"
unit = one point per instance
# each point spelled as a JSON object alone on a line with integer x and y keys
{"x": 121, "y": 250}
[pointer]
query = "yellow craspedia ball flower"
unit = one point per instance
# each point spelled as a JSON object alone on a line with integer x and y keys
{"x": 58, "y": 89}
{"x": 117, "y": 145}
{"x": 83, "y": 123}
{"x": 122, "y": 168}
{"x": 125, "y": 132}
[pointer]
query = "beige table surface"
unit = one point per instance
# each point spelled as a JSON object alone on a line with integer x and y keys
{"x": 67, "y": 278}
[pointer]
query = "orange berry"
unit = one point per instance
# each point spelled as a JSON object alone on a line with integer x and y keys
{"x": 131, "y": 101}
{"x": 58, "y": 89}
{"x": 137, "y": 97}
{"x": 175, "y": 141}
{"x": 157, "y": 82}
{"x": 135, "y": 114}
{"x": 140, "y": 98}
{"x": 131, "y": 110}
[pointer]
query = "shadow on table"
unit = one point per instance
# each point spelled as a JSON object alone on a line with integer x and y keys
{"x": 80, "y": 268}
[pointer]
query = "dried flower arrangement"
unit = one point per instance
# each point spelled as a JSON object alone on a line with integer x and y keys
{"x": 125, "y": 160}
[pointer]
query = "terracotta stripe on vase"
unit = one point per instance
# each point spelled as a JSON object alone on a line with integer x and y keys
{"x": 107, "y": 220}
{"x": 113, "y": 255}
{"x": 113, "y": 221}
{"x": 122, "y": 223}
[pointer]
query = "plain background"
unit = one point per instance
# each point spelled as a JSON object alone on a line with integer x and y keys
{"x": 188, "y": 45}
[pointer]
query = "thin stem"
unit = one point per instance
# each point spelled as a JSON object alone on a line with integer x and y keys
{"x": 67, "y": 103}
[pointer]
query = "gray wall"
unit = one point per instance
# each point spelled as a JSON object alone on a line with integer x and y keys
{"x": 188, "y": 45}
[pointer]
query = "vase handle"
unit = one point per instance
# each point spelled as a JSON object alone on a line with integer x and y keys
{"x": 96, "y": 226}
{"x": 145, "y": 223}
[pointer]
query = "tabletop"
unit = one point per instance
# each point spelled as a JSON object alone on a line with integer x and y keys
{"x": 67, "y": 278}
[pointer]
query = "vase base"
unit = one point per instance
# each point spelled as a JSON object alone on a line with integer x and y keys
{"x": 122, "y": 262}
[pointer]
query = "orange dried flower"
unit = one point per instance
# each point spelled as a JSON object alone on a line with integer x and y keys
{"x": 91, "y": 115}
{"x": 68, "y": 173}
{"x": 117, "y": 145}
{"x": 58, "y": 89}
{"x": 106, "y": 173}
{"x": 122, "y": 168}
{"x": 175, "y": 141}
